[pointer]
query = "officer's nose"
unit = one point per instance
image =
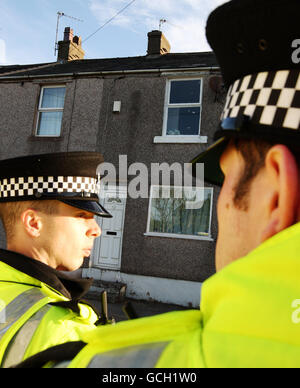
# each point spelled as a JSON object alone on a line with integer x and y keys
{"x": 94, "y": 229}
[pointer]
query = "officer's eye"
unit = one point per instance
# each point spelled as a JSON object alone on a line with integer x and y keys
{"x": 84, "y": 215}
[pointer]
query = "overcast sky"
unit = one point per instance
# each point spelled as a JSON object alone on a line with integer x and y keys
{"x": 28, "y": 27}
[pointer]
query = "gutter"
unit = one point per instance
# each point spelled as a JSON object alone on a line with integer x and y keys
{"x": 105, "y": 73}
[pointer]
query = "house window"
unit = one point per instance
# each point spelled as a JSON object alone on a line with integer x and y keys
{"x": 180, "y": 212}
{"x": 182, "y": 118}
{"x": 50, "y": 112}
{"x": 183, "y": 108}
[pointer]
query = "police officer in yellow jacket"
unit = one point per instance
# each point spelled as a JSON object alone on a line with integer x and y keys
{"x": 250, "y": 309}
{"x": 47, "y": 205}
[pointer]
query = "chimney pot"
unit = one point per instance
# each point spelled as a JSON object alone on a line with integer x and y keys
{"x": 77, "y": 40}
{"x": 68, "y": 34}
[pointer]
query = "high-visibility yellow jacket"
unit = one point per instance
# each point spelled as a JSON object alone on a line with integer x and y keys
{"x": 38, "y": 311}
{"x": 250, "y": 317}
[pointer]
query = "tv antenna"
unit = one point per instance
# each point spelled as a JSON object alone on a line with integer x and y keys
{"x": 161, "y": 22}
{"x": 59, "y": 15}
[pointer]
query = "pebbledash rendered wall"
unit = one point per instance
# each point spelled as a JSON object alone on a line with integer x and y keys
{"x": 132, "y": 133}
{"x": 89, "y": 124}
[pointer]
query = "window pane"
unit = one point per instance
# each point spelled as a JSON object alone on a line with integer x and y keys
{"x": 49, "y": 123}
{"x": 169, "y": 215}
{"x": 183, "y": 121}
{"x": 185, "y": 92}
{"x": 53, "y": 97}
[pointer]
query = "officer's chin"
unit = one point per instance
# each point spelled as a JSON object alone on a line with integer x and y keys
{"x": 62, "y": 268}
{"x": 74, "y": 266}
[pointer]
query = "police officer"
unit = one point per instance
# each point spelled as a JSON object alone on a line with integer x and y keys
{"x": 47, "y": 205}
{"x": 250, "y": 312}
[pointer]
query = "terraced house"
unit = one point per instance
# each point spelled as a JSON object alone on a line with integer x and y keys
{"x": 159, "y": 108}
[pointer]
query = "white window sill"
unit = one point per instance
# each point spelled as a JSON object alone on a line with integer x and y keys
{"x": 180, "y": 236}
{"x": 42, "y": 136}
{"x": 180, "y": 139}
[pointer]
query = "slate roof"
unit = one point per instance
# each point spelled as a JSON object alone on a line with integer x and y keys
{"x": 163, "y": 62}
{"x": 15, "y": 68}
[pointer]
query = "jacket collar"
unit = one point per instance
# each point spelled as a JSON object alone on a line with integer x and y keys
{"x": 62, "y": 282}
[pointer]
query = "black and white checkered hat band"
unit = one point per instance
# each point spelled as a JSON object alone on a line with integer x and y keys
{"x": 269, "y": 98}
{"x": 29, "y": 186}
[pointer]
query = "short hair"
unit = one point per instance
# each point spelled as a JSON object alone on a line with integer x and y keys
{"x": 254, "y": 153}
{"x": 10, "y": 212}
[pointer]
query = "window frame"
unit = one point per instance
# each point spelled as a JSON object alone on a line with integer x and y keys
{"x": 167, "y": 106}
{"x": 43, "y": 110}
{"x": 179, "y": 236}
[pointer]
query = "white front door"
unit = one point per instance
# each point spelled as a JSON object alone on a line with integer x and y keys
{"x": 107, "y": 250}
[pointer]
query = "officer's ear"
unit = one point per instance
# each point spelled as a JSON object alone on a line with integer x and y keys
{"x": 283, "y": 179}
{"x": 32, "y": 223}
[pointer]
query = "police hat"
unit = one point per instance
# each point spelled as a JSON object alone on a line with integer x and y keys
{"x": 69, "y": 177}
{"x": 257, "y": 45}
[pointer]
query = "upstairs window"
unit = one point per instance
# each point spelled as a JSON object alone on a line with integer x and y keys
{"x": 50, "y": 112}
{"x": 183, "y": 108}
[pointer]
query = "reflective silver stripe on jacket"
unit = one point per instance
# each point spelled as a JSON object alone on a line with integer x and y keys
{"x": 15, "y": 310}
{"x": 18, "y": 307}
{"x": 62, "y": 365}
{"x": 18, "y": 345}
{"x": 143, "y": 356}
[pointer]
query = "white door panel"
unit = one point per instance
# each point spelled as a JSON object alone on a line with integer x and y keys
{"x": 108, "y": 248}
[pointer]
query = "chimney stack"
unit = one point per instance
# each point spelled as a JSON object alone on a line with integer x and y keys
{"x": 70, "y": 48}
{"x": 158, "y": 43}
